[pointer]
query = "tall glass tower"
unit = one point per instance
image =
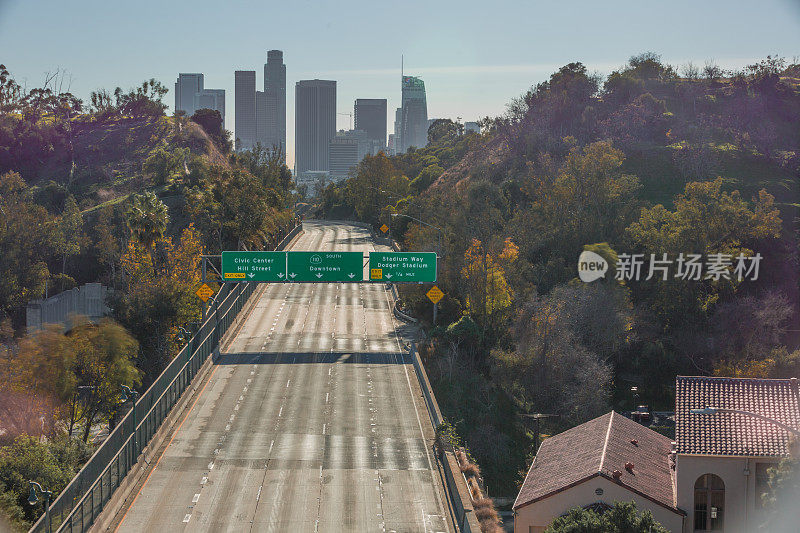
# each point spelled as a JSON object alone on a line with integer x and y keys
{"x": 274, "y": 101}
{"x": 315, "y": 124}
{"x": 414, "y": 114}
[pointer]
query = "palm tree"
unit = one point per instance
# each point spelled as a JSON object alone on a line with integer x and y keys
{"x": 147, "y": 219}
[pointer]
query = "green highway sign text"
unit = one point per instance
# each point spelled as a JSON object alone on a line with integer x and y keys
{"x": 402, "y": 267}
{"x": 254, "y": 266}
{"x": 328, "y": 267}
{"x": 325, "y": 266}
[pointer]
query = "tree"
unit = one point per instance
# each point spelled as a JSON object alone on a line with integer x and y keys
{"x": 143, "y": 101}
{"x": 621, "y": 518}
{"x": 269, "y": 166}
{"x": 163, "y": 164}
{"x": 52, "y": 464}
{"x": 426, "y": 177}
{"x": 706, "y": 220}
{"x": 488, "y": 294}
{"x": 71, "y": 236}
{"x": 556, "y": 107}
{"x": 747, "y": 329}
{"x": 784, "y": 493}
{"x": 28, "y": 240}
{"x": 105, "y": 355}
{"x": 10, "y": 92}
{"x": 550, "y": 370}
{"x": 233, "y": 208}
{"x": 376, "y": 183}
{"x": 37, "y": 382}
{"x": 159, "y": 302}
{"x": 101, "y": 103}
{"x": 210, "y": 120}
{"x": 442, "y": 130}
{"x": 147, "y": 219}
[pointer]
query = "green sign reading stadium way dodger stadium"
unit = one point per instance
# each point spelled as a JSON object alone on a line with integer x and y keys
{"x": 325, "y": 267}
{"x": 402, "y": 267}
{"x": 254, "y": 266}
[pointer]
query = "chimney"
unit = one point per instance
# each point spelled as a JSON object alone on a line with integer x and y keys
{"x": 629, "y": 467}
{"x": 616, "y": 474}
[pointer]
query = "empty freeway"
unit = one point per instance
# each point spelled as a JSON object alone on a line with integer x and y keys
{"x": 310, "y": 420}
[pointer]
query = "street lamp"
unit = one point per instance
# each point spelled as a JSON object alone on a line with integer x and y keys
{"x": 537, "y": 417}
{"x": 33, "y": 499}
{"x": 129, "y": 393}
{"x": 440, "y": 230}
{"x": 714, "y": 410}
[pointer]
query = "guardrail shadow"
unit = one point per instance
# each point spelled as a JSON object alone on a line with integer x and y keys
{"x": 288, "y": 358}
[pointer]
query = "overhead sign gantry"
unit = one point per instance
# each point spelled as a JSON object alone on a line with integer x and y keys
{"x": 328, "y": 267}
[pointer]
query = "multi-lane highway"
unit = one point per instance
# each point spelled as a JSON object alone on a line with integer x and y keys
{"x": 311, "y": 421}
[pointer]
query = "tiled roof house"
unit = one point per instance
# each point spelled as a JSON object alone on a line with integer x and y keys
{"x": 710, "y": 479}
{"x": 608, "y": 459}
{"x": 722, "y": 458}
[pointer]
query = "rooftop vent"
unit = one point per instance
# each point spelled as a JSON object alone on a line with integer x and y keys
{"x": 629, "y": 467}
{"x": 635, "y": 442}
{"x": 616, "y": 474}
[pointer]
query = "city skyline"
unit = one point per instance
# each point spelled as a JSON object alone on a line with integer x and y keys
{"x": 448, "y": 48}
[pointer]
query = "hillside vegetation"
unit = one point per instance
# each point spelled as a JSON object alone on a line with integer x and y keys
{"x": 118, "y": 193}
{"x": 650, "y": 160}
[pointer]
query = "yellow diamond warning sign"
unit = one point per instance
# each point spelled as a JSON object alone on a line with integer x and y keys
{"x": 435, "y": 294}
{"x": 204, "y": 292}
{"x": 384, "y": 228}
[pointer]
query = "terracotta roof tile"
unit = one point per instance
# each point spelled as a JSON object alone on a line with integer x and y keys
{"x": 598, "y": 447}
{"x": 732, "y": 433}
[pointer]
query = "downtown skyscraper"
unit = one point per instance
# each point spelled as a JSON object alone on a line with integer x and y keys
{"x": 315, "y": 124}
{"x": 245, "y": 109}
{"x": 370, "y": 115}
{"x": 275, "y": 100}
{"x": 412, "y": 119}
{"x": 263, "y": 113}
{"x": 191, "y": 95}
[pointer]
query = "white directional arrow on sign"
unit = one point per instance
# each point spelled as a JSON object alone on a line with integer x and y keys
{"x": 351, "y": 275}
{"x": 292, "y": 275}
{"x": 280, "y": 274}
{"x": 250, "y": 275}
{"x": 388, "y": 276}
{"x": 319, "y": 274}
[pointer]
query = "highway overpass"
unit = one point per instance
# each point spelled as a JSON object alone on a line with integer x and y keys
{"x": 311, "y": 420}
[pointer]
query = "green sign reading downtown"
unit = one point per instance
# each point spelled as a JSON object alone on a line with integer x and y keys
{"x": 328, "y": 267}
{"x": 402, "y": 267}
{"x": 254, "y": 266}
{"x": 325, "y": 266}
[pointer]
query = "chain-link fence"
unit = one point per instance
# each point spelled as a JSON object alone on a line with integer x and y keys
{"x": 81, "y": 502}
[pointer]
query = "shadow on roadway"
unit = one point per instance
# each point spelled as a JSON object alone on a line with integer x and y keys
{"x": 284, "y": 358}
{"x": 352, "y": 240}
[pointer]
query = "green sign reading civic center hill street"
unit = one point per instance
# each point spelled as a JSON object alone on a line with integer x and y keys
{"x": 402, "y": 267}
{"x": 254, "y": 266}
{"x": 325, "y": 267}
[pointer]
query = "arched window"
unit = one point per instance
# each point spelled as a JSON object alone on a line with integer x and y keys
{"x": 709, "y": 503}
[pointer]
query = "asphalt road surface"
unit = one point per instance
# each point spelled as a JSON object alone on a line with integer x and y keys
{"x": 311, "y": 421}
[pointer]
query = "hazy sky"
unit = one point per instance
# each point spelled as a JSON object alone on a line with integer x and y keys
{"x": 473, "y": 55}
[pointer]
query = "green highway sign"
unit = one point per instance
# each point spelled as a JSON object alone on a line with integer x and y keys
{"x": 330, "y": 267}
{"x": 402, "y": 267}
{"x": 254, "y": 266}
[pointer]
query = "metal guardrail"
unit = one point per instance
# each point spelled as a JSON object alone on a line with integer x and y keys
{"x": 82, "y": 501}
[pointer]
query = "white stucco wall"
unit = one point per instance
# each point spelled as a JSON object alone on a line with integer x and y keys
{"x": 740, "y": 512}
{"x": 539, "y": 514}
